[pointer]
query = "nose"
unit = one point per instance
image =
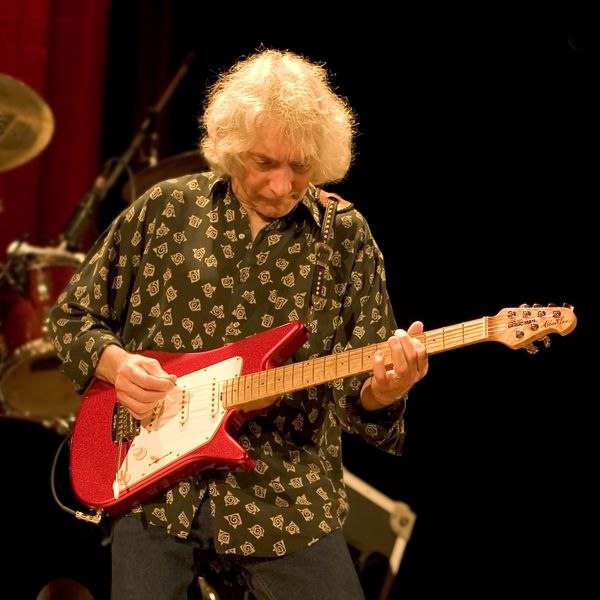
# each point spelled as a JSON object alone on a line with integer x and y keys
{"x": 281, "y": 182}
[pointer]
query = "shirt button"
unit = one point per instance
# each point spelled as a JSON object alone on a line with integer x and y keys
{"x": 242, "y": 236}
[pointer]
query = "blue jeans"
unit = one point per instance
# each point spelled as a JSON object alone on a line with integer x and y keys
{"x": 147, "y": 564}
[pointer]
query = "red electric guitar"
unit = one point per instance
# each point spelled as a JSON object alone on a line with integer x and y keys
{"x": 117, "y": 461}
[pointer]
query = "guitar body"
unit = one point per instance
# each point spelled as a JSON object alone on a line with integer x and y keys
{"x": 198, "y": 441}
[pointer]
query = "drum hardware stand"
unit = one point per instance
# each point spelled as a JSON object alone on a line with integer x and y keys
{"x": 5, "y": 274}
{"x": 77, "y": 225}
{"x": 7, "y": 271}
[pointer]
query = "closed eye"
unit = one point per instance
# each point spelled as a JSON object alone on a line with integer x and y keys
{"x": 300, "y": 167}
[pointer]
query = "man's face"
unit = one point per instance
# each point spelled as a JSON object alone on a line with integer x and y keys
{"x": 273, "y": 177}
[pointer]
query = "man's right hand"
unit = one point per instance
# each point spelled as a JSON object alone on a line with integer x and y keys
{"x": 140, "y": 382}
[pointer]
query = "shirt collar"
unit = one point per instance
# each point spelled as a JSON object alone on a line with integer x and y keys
{"x": 308, "y": 206}
{"x": 310, "y": 201}
{"x": 217, "y": 186}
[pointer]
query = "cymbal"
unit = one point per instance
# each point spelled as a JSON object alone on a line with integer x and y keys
{"x": 26, "y": 123}
{"x": 174, "y": 166}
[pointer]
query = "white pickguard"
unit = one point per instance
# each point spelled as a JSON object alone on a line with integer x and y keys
{"x": 187, "y": 419}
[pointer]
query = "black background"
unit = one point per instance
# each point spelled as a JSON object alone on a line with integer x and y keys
{"x": 475, "y": 167}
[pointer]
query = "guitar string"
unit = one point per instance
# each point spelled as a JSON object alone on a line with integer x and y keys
{"x": 250, "y": 384}
{"x": 444, "y": 337}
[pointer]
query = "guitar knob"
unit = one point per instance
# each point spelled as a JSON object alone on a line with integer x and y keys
{"x": 139, "y": 452}
{"x": 532, "y": 349}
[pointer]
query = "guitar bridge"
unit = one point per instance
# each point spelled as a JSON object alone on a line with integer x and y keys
{"x": 124, "y": 425}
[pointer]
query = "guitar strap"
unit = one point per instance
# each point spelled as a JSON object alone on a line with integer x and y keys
{"x": 323, "y": 251}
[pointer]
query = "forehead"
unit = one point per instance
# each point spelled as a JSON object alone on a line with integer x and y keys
{"x": 274, "y": 144}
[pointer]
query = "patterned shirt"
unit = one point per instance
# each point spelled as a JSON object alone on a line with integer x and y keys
{"x": 178, "y": 270}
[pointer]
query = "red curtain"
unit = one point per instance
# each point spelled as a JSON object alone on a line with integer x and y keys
{"x": 58, "y": 49}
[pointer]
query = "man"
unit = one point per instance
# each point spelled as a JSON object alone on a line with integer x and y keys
{"x": 208, "y": 260}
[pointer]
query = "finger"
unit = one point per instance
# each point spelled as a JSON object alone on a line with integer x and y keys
{"x": 153, "y": 367}
{"x": 405, "y": 353}
{"x": 140, "y": 409}
{"x": 399, "y": 346}
{"x": 379, "y": 371}
{"x": 422, "y": 362}
{"x": 149, "y": 377}
{"x": 416, "y": 328}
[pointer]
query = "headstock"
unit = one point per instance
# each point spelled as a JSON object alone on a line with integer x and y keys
{"x": 521, "y": 327}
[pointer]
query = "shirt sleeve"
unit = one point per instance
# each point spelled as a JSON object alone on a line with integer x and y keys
{"x": 367, "y": 318}
{"x": 86, "y": 316}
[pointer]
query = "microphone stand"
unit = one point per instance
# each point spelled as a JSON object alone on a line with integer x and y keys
{"x": 112, "y": 169}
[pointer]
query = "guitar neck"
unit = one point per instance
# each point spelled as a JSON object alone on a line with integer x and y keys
{"x": 249, "y": 391}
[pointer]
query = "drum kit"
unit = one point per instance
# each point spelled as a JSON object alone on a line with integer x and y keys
{"x": 31, "y": 384}
{"x": 32, "y": 387}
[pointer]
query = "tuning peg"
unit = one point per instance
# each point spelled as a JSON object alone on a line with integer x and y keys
{"x": 531, "y": 349}
{"x": 524, "y": 305}
{"x": 537, "y": 305}
{"x": 546, "y": 341}
{"x": 567, "y": 305}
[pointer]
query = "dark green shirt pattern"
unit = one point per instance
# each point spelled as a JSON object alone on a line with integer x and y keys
{"x": 178, "y": 271}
